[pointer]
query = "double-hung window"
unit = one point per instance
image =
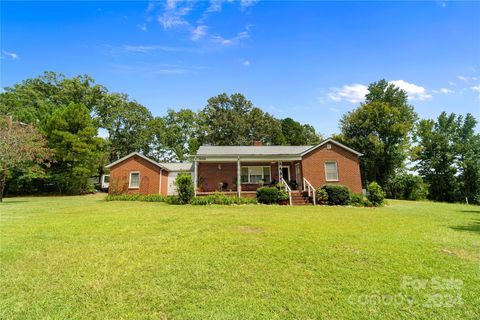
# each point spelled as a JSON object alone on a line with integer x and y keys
{"x": 331, "y": 171}
{"x": 134, "y": 182}
{"x": 255, "y": 173}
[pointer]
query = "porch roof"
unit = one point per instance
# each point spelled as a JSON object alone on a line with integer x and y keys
{"x": 251, "y": 150}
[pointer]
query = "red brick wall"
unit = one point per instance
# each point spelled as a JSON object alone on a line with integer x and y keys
{"x": 212, "y": 176}
{"x": 313, "y": 167}
{"x": 149, "y": 176}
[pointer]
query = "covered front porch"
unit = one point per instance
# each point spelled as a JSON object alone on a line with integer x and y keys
{"x": 242, "y": 177}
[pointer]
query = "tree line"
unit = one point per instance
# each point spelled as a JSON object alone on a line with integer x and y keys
{"x": 69, "y": 112}
{"x": 410, "y": 158}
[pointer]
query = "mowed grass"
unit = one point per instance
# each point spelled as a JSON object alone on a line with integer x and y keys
{"x": 85, "y": 258}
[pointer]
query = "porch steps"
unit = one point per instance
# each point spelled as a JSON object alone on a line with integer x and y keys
{"x": 300, "y": 198}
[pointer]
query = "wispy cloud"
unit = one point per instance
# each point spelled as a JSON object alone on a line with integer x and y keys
{"x": 142, "y": 26}
{"x": 246, "y": 63}
{"x": 352, "y": 93}
{"x": 11, "y": 55}
{"x": 174, "y": 13}
{"x": 199, "y": 32}
{"x": 247, "y": 3}
{"x": 144, "y": 69}
{"x": 476, "y": 88}
{"x": 463, "y": 78}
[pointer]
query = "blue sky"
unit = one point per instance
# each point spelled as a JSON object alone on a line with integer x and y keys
{"x": 307, "y": 60}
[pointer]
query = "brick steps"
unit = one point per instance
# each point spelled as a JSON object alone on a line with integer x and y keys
{"x": 300, "y": 198}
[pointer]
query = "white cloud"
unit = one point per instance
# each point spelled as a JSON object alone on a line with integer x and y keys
{"x": 443, "y": 90}
{"x": 476, "y": 88}
{"x": 466, "y": 79}
{"x": 11, "y": 55}
{"x": 246, "y": 63}
{"x": 415, "y": 92}
{"x": 247, "y": 3}
{"x": 352, "y": 93}
{"x": 174, "y": 13}
{"x": 232, "y": 41}
{"x": 452, "y": 83}
{"x": 199, "y": 32}
{"x": 143, "y": 27}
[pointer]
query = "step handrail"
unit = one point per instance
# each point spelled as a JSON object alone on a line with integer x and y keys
{"x": 310, "y": 189}
{"x": 288, "y": 189}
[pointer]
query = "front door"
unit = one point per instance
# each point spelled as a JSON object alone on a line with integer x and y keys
{"x": 298, "y": 175}
{"x": 286, "y": 173}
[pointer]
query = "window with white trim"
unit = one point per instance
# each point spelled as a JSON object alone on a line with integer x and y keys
{"x": 255, "y": 173}
{"x": 331, "y": 171}
{"x": 134, "y": 182}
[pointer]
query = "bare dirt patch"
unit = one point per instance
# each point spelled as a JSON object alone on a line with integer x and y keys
{"x": 462, "y": 254}
{"x": 250, "y": 229}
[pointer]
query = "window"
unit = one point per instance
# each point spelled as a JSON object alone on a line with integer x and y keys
{"x": 255, "y": 174}
{"x": 134, "y": 180}
{"x": 331, "y": 171}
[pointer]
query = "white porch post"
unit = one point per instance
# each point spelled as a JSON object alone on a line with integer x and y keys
{"x": 280, "y": 176}
{"x": 239, "y": 178}
{"x": 195, "y": 176}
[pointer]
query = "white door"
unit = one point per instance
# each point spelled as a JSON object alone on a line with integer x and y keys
{"x": 171, "y": 189}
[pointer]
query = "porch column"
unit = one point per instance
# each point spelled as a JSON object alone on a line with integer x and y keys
{"x": 239, "y": 178}
{"x": 195, "y": 176}
{"x": 279, "y": 170}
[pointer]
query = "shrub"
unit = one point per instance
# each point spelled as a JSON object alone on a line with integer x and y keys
{"x": 375, "y": 194}
{"x": 173, "y": 200}
{"x": 185, "y": 190}
{"x": 358, "y": 200}
{"x": 337, "y": 194}
{"x": 268, "y": 195}
{"x": 321, "y": 196}
{"x": 283, "y": 195}
{"x": 123, "y": 197}
{"x": 153, "y": 198}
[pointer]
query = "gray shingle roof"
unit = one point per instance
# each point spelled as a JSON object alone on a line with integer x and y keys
{"x": 251, "y": 150}
{"x": 185, "y": 166}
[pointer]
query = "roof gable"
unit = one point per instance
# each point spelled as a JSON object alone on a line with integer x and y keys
{"x": 186, "y": 166}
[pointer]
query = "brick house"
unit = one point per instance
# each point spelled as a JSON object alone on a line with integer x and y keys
{"x": 240, "y": 170}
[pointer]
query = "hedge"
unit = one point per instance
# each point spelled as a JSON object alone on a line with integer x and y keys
{"x": 337, "y": 194}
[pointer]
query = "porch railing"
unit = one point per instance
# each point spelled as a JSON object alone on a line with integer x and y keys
{"x": 288, "y": 189}
{"x": 310, "y": 189}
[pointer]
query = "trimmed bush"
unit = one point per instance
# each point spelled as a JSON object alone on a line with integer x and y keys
{"x": 283, "y": 195}
{"x": 375, "y": 194}
{"x": 337, "y": 194}
{"x": 358, "y": 200}
{"x": 321, "y": 196}
{"x": 268, "y": 195}
{"x": 185, "y": 190}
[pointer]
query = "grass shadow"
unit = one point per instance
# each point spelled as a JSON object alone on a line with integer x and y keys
{"x": 473, "y": 227}
{"x": 470, "y": 211}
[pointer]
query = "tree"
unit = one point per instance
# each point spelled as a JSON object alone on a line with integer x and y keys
{"x": 436, "y": 157}
{"x": 233, "y": 120}
{"x": 380, "y": 128}
{"x": 72, "y": 135}
{"x": 297, "y": 134}
{"x": 178, "y": 135}
{"x": 467, "y": 145}
{"x": 19, "y": 144}
{"x": 128, "y": 123}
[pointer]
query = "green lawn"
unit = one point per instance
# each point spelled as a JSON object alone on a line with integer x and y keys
{"x": 85, "y": 258}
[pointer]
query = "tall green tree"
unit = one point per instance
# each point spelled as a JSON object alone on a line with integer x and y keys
{"x": 233, "y": 120}
{"x": 72, "y": 135}
{"x": 128, "y": 123}
{"x": 297, "y": 134}
{"x": 380, "y": 128}
{"x": 436, "y": 156}
{"x": 467, "y": 145}
{"x": 178, "y": 135}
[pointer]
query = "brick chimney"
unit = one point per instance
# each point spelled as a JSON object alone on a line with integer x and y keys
{"x": 257, "y": 143}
